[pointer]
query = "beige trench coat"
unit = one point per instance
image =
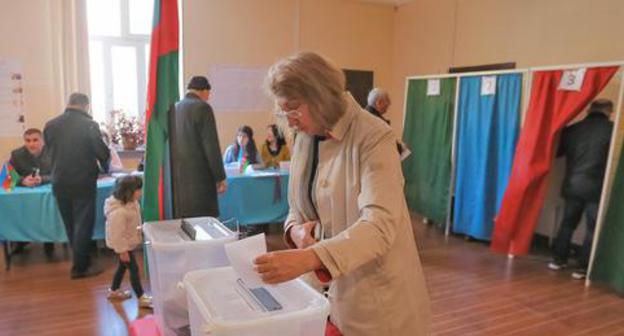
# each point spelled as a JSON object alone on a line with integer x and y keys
{"x": 369, "y": 248}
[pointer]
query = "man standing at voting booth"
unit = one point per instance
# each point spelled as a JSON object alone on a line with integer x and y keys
{"x": 585, "y": 146}
{"x": 197, "y": 165}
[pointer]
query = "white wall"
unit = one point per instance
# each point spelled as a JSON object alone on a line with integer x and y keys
{"x": 354, "y": 35}
{"x": 26, "y": 35}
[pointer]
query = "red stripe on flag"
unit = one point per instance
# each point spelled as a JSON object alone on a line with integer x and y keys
{"x": 165, "y": 39}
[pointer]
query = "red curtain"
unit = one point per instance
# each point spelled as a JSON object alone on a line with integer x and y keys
{"x": 549, "y": 111}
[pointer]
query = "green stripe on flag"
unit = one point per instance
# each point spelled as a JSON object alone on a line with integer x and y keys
{"x": 167, "y": 95}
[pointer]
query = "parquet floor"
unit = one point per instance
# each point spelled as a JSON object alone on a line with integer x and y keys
{"x": 473, "y": 292}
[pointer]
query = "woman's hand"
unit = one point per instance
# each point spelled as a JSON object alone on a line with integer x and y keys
{"x": 280, "y": 266}
{"x": 124, "y": 257}
{"x": 301, "y": 235}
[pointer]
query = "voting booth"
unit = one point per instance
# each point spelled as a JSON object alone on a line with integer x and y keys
{"x": 175, "y": 247}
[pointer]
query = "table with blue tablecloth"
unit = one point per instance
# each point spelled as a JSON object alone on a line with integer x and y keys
{"x": 255, "y": 198}
{"x": 31, "y": 214}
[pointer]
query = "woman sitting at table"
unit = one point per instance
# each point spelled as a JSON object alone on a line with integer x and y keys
{"x": 274, "y": 149}
{"x": 243, "y": 149}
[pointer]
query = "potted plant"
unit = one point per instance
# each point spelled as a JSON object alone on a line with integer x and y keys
{"x": 124, "y": 130}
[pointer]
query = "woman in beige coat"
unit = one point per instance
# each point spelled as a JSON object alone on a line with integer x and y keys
{"x": 348, "y": 216}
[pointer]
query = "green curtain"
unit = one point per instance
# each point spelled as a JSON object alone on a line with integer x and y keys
{"x": 427, "y": 132}
{"x": 609, "y": 260}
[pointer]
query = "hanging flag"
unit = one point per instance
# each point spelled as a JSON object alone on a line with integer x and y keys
{"x": 8, "y": 177}
{"x": 550, "y": 109}
{"x": 162, "y": 93}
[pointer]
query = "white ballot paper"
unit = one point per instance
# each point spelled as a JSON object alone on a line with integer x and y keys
{"x": 242, "y": 253}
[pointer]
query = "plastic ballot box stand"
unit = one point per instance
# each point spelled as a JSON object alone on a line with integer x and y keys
{"x": 175, "y": 247}
{"x": 220, "y": 304}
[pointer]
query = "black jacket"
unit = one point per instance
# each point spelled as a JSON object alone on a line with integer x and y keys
{"x": 376, "y": 113}
{"x": 75, "y": 147}
{"x": 586, "y": 148}
{"x": 26, "y": 164}
{"x": 197, "y": 164}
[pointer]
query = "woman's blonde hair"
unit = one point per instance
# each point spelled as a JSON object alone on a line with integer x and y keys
{"x": 314, "y": 80}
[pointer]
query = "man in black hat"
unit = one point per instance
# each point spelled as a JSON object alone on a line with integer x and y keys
{"x": 197, "y": 167}
{"x": 586, "y": 148}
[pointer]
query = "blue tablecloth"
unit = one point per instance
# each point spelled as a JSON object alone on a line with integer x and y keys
{"x": 256, "y": 198}
{"x": 31, "y": 214}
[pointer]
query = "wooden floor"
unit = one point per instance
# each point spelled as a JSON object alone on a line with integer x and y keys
{"x": 473, "y": 292}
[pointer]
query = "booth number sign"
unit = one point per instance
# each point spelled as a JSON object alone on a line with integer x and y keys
{"x": 433, "y": 87}
{"x": 572, "y": 80}
{"x": 488, "y": 85}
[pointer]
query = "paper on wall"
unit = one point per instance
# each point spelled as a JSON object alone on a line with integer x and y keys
{"x": 11, "y": 99}
{"x": 241, "y": 254}
{"x": 238, "y": 88}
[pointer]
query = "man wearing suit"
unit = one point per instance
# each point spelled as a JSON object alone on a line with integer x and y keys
{"x": 197, "y": 168}
{"x": 75, "y": 146}
{"x": 33, "y": 165}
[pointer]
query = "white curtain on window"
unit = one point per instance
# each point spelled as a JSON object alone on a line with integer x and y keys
{"x": 70, "y": 39}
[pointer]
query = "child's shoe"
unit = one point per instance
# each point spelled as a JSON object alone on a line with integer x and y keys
{"x": 145, "y": 301}
{"x": 118, "y": 294}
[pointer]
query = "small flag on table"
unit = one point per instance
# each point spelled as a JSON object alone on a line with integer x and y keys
{"x": 8, "y": 177}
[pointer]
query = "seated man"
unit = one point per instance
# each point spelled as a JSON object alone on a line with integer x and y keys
{"x": 30, "y": 161}
{"x": 33, "y": 166}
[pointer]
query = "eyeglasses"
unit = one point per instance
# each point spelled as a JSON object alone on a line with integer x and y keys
{"x": 293, "y": 113}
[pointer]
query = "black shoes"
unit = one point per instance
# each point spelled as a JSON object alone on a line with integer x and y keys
{"x": 91, "y": 271}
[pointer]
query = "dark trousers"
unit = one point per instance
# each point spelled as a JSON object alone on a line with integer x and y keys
{"x": 135, "y": 279}
{"x": 572, "y": 213}
{"x": 79, "y": 218}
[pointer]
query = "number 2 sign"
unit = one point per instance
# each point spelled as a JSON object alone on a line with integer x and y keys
{"x": 488, "y": 85}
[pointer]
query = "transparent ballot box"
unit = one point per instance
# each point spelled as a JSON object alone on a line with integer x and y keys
{"x": 175, "y": 247}
{"x": 220, "y": 304}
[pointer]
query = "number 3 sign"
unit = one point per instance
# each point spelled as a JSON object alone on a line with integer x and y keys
{"x": 572, "y": 80}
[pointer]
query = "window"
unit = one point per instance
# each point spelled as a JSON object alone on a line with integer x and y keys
{"x": 119, "y": 37}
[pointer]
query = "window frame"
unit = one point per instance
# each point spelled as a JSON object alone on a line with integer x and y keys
{"x": 140, "y": 43}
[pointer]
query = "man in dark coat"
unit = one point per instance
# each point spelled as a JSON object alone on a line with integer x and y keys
{"x": 75, "y": 145}
{"x": 33, "y": 165}
{"x": 378, "y": 103}
{"x": 586, "y": 148}
{"x": 197, "y": 166}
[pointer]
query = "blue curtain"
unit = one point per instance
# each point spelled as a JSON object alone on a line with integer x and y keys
{"x": 487, "y": 130}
